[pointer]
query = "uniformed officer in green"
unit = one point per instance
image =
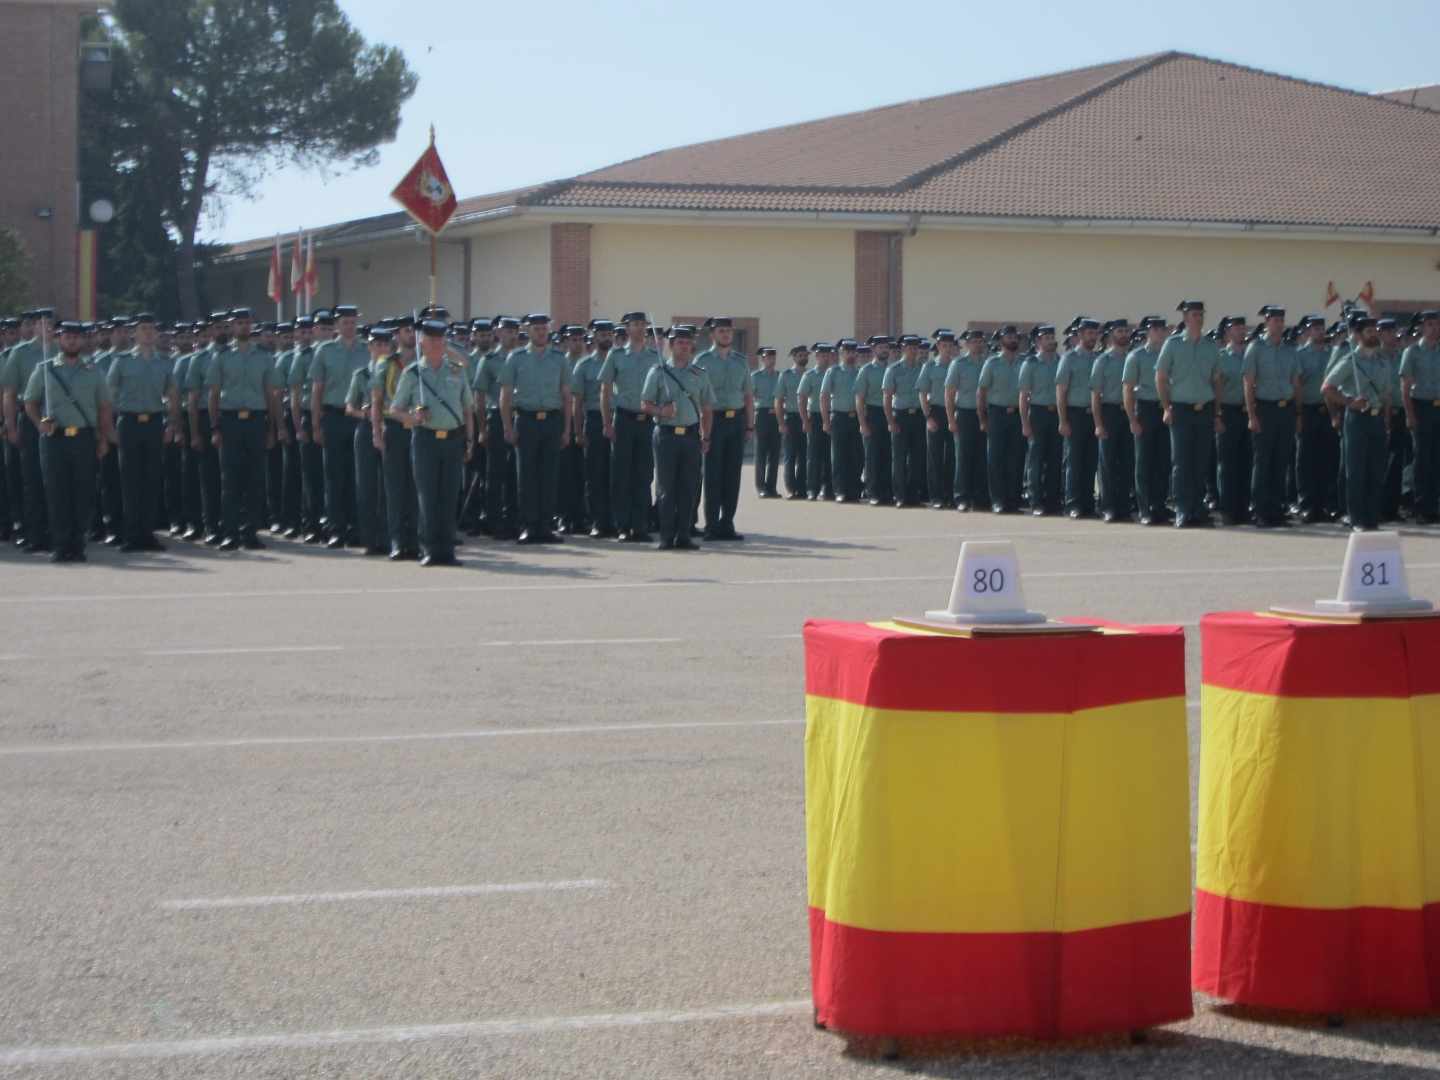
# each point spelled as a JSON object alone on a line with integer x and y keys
{"x": 501, "y": 509}
{"x": 679, "y": 397}
{"x": 1147, "y": 424}
{"x": 37, "y": 341}
{"x": 1077, "y": 422}
{"x": 819, "y": 461}
{"x": 68, "y": 403}
{"x": 588, "y": 424}
{"x": 838, "y": 407}
{"x": 243, "y": 406}
{"x": 534, "y": 406}
{"x": 1232, "y": 442}
{"x": 201, "y": 436}
{"x": 1272, "y": 392}
{"x": 1116, "y": 447}
{"x": 291, "y": 485}
{"x": 632, "y": 462}
{"x": 391, "y": 437}
{"x": 1040, "y": 423}
{"x": 870, "y": 417}
{"x": 433, "y": 398}
{"x": 764, "y": 383}
{"x": 729, "y": 374}
{"x": 962, "y": 385}
{"x": 1420, "y": 385}
{"x": 1360, "y": 384}
{"x": 998, "y": 407}
{"x": 1187, "y": 380}
{"x": 369, "y": 472}
{"x": 792, "y": 421}
{"x": 11, "y": 503}
{"x": 142, "y": 391}
{"x": 1317, "y": 451}
{"x": 939, "y": 445}
{"x": 312, "y": 458}
{"x": 331, "y": 369}
{"x": 191, "y": 522}
{"x": 905, "y": 422}
{"x": 1398, "y": 443}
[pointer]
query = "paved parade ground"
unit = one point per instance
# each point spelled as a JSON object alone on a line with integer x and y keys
{"x": 304, "y": 813}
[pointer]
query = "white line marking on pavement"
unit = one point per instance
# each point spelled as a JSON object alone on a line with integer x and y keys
{"x": 583, "y": 641}
{"x": 257, "y": 650}
{"x": 425, "y": 893}
{"x": 12, "y": 1056}
{"x": 424, "y": 736}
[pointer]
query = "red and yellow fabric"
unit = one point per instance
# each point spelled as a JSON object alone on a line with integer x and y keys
{"x": 1318, "y": 857}
{"x": 997, "y": 830}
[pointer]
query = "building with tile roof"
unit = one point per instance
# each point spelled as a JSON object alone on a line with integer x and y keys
{"x": 1112, "y": 188}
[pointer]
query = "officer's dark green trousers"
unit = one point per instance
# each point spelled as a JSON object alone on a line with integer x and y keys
{"x": 845, "y": 450}
{"x": 242, "y": 472}
{"x": 723, "y": 463}
{"x": 537, "y": 467}
{"x": 68, "y": 463}
{"x": 1043, "y": 480}
{"x": 907, "y": 456}
{"x": 1317, "y": 455}
{"x": 1232, "y": 460}
{"x": 1269, "y": 455}
{"x": 1152, "y": 459}
{"x": 877, "y": 456}
{"x": 819, "y": 461}
{"x": 1365, "y": 453}
{"x": 796, "y": 460}
{"x": 767, "y": 449}
{"x": 400, "y": 504}
{"x": 500, "y": 506}
{"x": 142, "y": 447}
{"x": 1426, "y": 438}
{"x": 939, "y": 459}
{"x": 208, "y": 471}
{"x": 1005, "y": 455}
{"x": 339, "y": 458}
{"x": 972, "y": 485}
{"x": 1081, "y": 461}
{"x": 1116, "y": 462}
{"x": 632, "y": 468}
{"x": 369, "y": 489}
{"x": 597, "y": 471}
{"x": 1191, "y": 435}
{"x": 437, "y": 464}
{"x": 677, "y": 475}
{"x": 35, "y": 505}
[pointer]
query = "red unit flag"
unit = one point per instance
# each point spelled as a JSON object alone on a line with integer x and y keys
{"x": 275, "y": 287}
{"x": 425, "y": 193}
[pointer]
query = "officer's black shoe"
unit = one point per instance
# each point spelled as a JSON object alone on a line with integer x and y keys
{"x": 527, "y": 537}
{"x": 20, "y": 540}
{"x": 96, "y": 535}
{"x": 551, "y": 538}
{"x": 427, "y": 560}
{"x": 213, "y": 539}
{"x": 729, "y": 535}
{"x": 641, "y": 537}
{"x": 152, "y": 543}
{"x": 623, "y": 536}
{"x": 192, "y": 533}
{"x": 665, "y": 545}
{"x": 251, "y": 542}
{"x": 60, "y": 556}
{"x": 77, "y": 554}
{"x": 1146, "y": 519}
{"x": 130, "y": 546}
{"x": 311, "y": 538}
{"x": 113, "y": 540}
{"x": 1037, "y": 511}
{"x": 962, "y": 505}
{"x": 292, "y": 533}
{"x": 229, "y": 544}
{"x": 597, "y": 533}
{"x": 375, "y": 549}
{"x": 444, "y": 560}
{"x": 335, "y": 542}
{"x": 396, "y": 554}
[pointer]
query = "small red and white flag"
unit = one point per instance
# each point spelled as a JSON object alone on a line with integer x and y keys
{"x": 297, "y": 264}
{"x": 1367, "y": 296}
{"x": 312, "y": 278}
{"x": 1332, "y": 295}
{"x": 276, "y": 285}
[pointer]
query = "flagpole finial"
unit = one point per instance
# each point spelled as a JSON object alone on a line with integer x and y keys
{"x": 432, "y": 134}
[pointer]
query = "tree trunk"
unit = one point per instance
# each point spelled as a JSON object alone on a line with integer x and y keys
{"x": 185, "y": 275}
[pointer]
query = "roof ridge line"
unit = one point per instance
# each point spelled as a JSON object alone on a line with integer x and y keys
{"x": 1377, "y": 95}
{"x": 915, "y": 179}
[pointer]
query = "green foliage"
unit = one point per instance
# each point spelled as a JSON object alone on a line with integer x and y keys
{"x": 14, "y": 271}
{"x": 211, "y": 95}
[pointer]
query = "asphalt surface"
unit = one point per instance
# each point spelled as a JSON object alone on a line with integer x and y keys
{"x": 593, "y": 751}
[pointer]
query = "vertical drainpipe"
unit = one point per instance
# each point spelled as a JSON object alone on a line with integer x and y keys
{"x": 892, "y": 283}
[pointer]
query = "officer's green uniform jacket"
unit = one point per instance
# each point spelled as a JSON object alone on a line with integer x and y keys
{"x": 808, "y": 386}
{"x": 539, "y": 378}
{"x": 870, "y": 383}
{"x": 1107, "y": 376}
{"x": 1191, "y": 367}
{"x": 487, "y": 377}
{"x": 282, "y": 372}
{"x": 1140, "y": 372}
{"x": 386, "y": 376}
{"x": 442, "y": 391}
{"x": 1000, "y": 379}
{"x": 729, "y": 375}
{"x": 1273, "y": 367}
{"x": 1363, "y": 373}
{"x": 334, "y": 364}
{"x": 964, "y": 378}
{"x": 765, "y": 382}
{"x": 200, "y": 363}
{"x": 297, "y": 377}
{"x": 1311, "y": 362}
{"x": 80, "y": 408}
{"x": 1232, "y": 371}
{"x": 660, "y": 389}
{"x": 840, "y": 382}
{"x": 357, "y": 395}
{"x": 787, "y": 390}
{"x": 20, "y": 364}
{"x": 1074, "y": 373}
{"x": 585, "y": 381}
{"x": 903, "y": 381}
{"x": 139, "y": 383}
{"x": 1037, "y": 377}
{"x": 1422, "y": 364}
{"x": 245, "y": 378}
{"x": 932, "y": 380}
{"x": 625, "y": 369}
{"x": 1342, "y": 348}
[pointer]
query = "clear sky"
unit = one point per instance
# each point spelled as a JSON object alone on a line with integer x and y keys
{"x": 560, "y": 87}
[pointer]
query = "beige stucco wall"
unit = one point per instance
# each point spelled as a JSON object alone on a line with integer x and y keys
{"x": 510, "y": 271}
{"x": 952, "y": 277}
{"x": 394, "y": 278}
{"x": 799, "y": 283}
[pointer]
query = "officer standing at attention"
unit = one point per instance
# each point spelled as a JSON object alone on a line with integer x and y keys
{"x": 200, "y": 430}
{"x": 1187, "y": 380}
{"x": 679, "y": 397}
{"x": 535, "y": 409}
{"x": 1360, "y": 384}
{"x": 906, "y": 423}
{"x": 500, "y": 506}
{"x": 331, "y": 369}
{"x": 109, "y": 340}
{"x": 819, "y": 479}
{"x": 1147, "y": 424}
{"x": 962, "y": 384}
{"x": 68, "y": 403}
{"x": 838, "y": 406}
{"x": 1317, "y": 446}
{"x": 792, "y": 421}
{"x": 312, "y": 461}
{"x": 1077, "y": 423}
{"x": 588, "y": 424}
{"x": 391, "y": 438}
{"x": 997, "y": 400}
{"x": 1112, "y": 431}
{"x": 734, "y": 423}
{"x": 369, "y": 485}
{"x": 141, "y": 381}
{"x": 433, "y": 399}
{"x": 870, "y": 412}
{"x": 37, "y": 338}
{"x": 243, "y": 403}
{"x": 570, "y": 490}
{"x": 1040, "y": 423}
{"x": 632, "y": 464}
{"x": 765, "y": 382}
{"x": 1272, "y": 392}
{"x": 1232, "y": 445}
{"x": 939, "y": 444}
{"x": 1420, "y": 386}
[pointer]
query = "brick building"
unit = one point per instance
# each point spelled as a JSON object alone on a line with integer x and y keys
{"x": 40, "y": 88}
{"x": 1112, "y": 189}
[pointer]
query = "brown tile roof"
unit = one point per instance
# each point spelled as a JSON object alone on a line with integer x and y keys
{"x": 1171, "y": 137}
{"x": 1423, "y": 97}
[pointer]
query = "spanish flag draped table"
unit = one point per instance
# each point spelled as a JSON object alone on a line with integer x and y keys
{"x": 997, "y": 830}
{"x": 1318, "y": 862}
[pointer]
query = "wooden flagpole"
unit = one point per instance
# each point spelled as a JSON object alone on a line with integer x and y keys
{"x": 434, "y": 243}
